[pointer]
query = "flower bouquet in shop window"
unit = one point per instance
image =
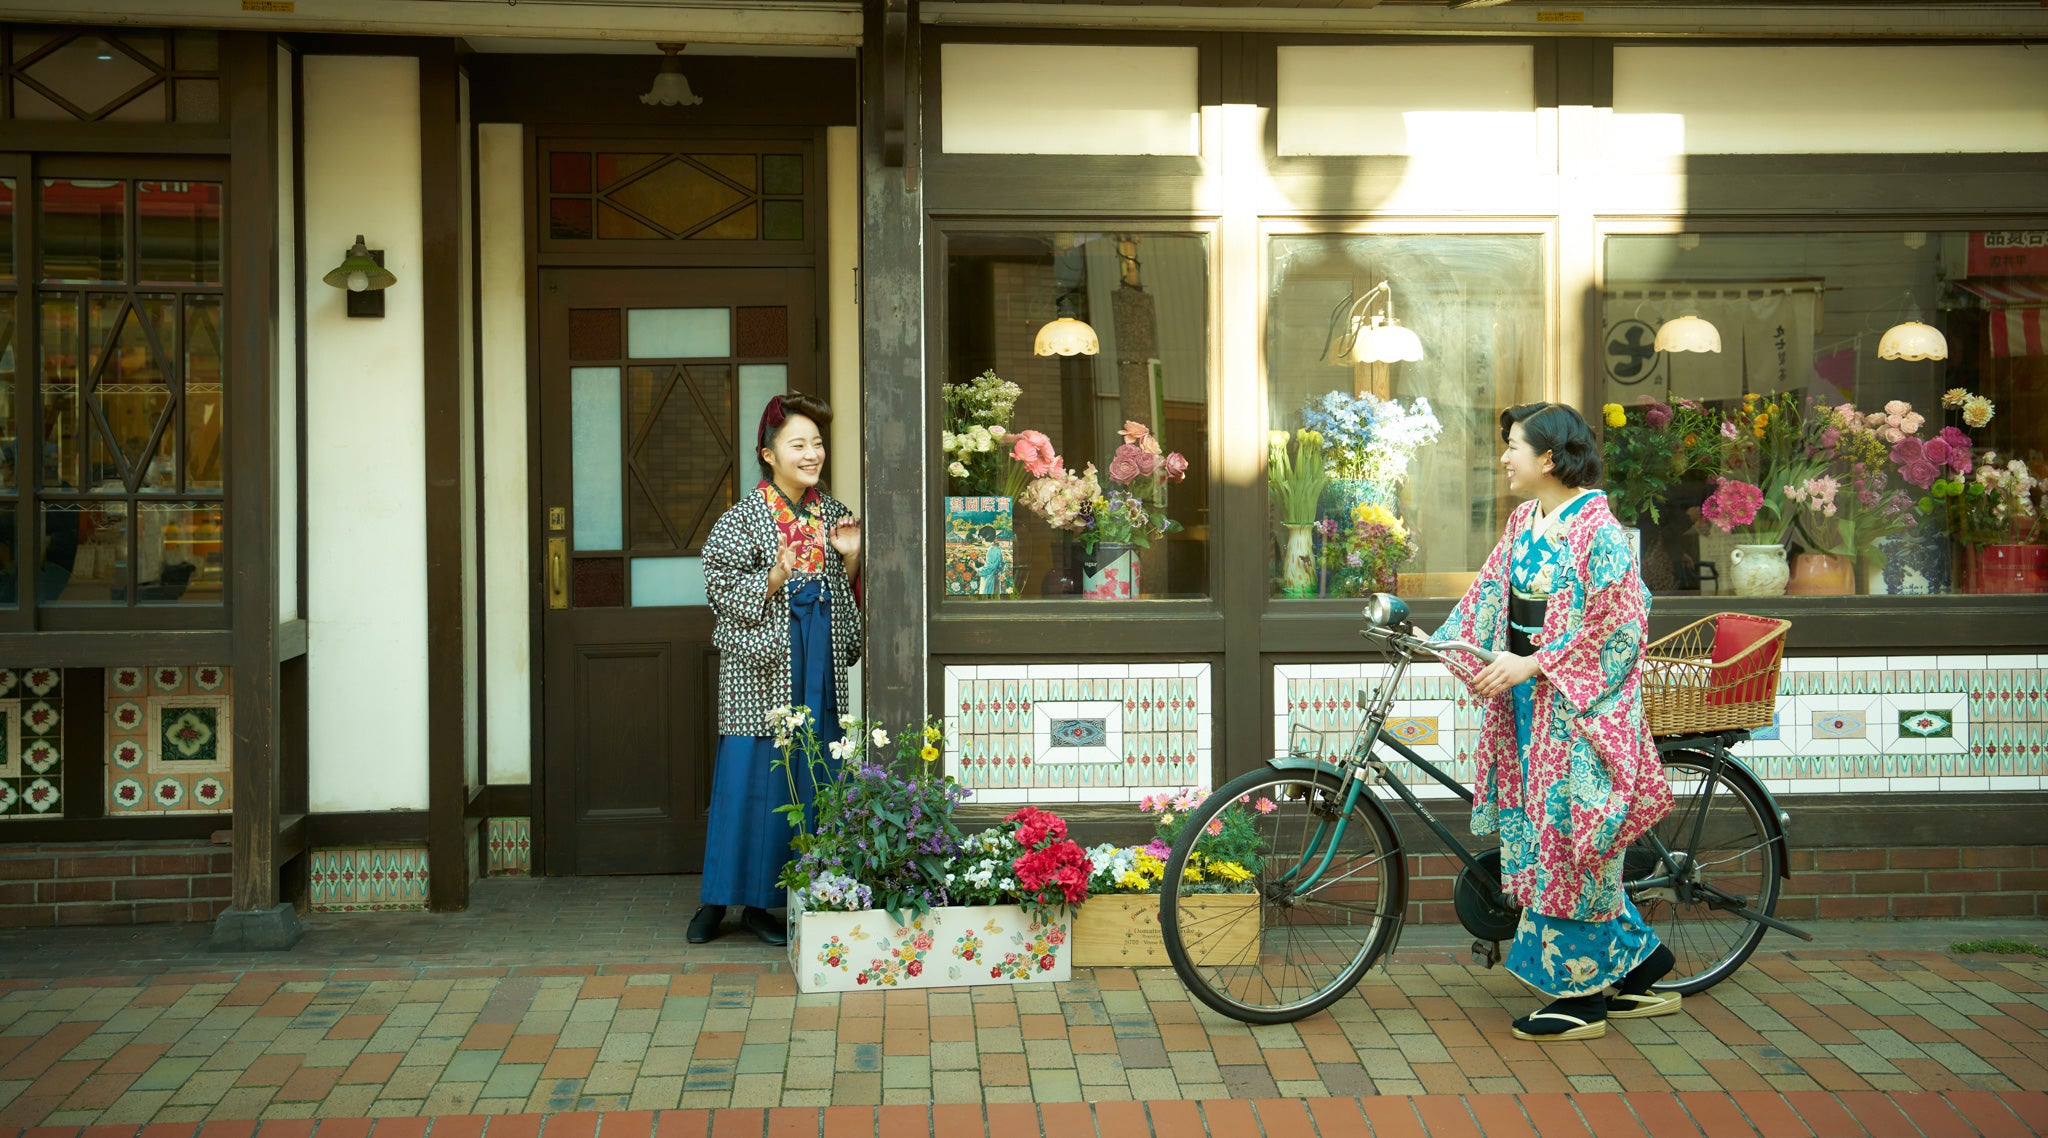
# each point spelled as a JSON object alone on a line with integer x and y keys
{"x": 1753, "y": 451}
{"x": 1352, "y": 452}
{"x": 1116, "y": 512}
{"x": 1989, "y": 504}
{"x": 883, "y": 889}
{"x": 982, "y": 485}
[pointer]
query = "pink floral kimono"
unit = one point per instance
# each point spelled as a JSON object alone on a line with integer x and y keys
{"x": 1591, "y": 781}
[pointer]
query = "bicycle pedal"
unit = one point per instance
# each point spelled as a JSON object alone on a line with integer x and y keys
{"x": 1486, "y": 953}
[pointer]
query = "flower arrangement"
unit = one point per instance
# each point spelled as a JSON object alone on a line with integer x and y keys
{"x": 1997, "y": 504}
{"x": 1028, "y": 861}
{"x": 1862, "y": 499}
{"x": 1296, "y": 479}
{"x": 1980, "y": 502}
{"x": 1363, "y": 554}
{"x": 1642, "y": 458}
{"x": 1227, "y": 856}
{"x": 880, "y": 831}
{"x": 1753, "y": 450}
{"x": 977, "y": 423}
{"x": 1130, "y": 509}
{"x": 1371, "y": 439}
{"x": 1126, "y": 869}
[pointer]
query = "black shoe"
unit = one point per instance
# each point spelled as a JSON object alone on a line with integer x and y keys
{"x": 763, "y": 924}
{"x": 704, "y": 926}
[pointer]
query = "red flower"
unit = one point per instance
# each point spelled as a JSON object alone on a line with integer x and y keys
{"x": 1045, "y": 963}
{"x": 861, "y": 979}
{"x": 995, "y": 973}
{"x": 915, "y": 968}
{"x": 1035, "y": 826}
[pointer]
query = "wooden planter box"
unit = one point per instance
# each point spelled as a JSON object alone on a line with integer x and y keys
{"x": 1121, "y": 930}
{"x": 948, "y": 946}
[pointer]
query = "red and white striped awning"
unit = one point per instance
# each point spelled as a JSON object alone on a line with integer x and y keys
{"x": 2017, "y": 308}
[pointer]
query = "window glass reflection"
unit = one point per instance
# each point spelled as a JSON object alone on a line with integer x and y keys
{"x": 1137, "y": 411}
{"x": 84, "y": 231}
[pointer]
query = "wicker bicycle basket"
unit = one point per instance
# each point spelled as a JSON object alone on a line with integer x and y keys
{"x": 1685, "y": 689}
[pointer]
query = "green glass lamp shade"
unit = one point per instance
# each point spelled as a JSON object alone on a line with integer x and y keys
{"x": 360, "y": 272}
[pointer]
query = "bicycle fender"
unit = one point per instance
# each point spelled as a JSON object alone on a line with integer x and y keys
{"x": 1298, "y": 763}
{"x": 1774, "y": 818}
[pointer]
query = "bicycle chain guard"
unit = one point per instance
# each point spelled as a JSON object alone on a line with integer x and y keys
{"x": 1473, "y": 899}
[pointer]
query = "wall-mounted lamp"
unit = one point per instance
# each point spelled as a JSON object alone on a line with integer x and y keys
{"x": 1380, "y": 340}
{"x": 670, "y": 88}
{"x": 1687, "y": 334}
{"x": 1065, "y": 335}
{"x": 363, "y": 274}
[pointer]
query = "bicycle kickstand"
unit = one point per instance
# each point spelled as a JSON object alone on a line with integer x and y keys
{"x": 1486, "y": 953}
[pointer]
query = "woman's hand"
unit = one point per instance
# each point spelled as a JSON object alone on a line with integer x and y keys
{"x": 785, "y": 564}
{"x": 845, "y": 540}
{"x": 1505, "y": 672}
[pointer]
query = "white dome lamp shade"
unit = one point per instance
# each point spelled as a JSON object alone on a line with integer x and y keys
{"x": 1066, "y": 336}
{"x": 1687, "y": 334}
{"x": 1384, "y": 341}
{"x": 670, "y": 88}
{"x": 1913, "y": 340}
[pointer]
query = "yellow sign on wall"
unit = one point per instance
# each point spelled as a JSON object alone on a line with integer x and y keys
{"x": 1560, "y": 17}
{"x": 268, "y": 5}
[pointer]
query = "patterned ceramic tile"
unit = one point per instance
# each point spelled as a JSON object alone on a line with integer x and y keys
{"x": 1077, "y": 732}
{"x": 510, "y": 847}
{"x": 170, "y": 739}
{"x": 1852, "y": 724}
{"x": 31, "y": 742}
{"x": 368, "y": 879}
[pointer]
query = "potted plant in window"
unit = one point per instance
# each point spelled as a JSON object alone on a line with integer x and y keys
{"x": 884, "y": 890}
{"x": 1642, "y": 463}
{"x": 1876, "y": 519}
{"x": 1988, "y": 507}
{"x": 1295, "y": 475}
{"x": 982, "y": 482}
{"x": 1115, "y": 520}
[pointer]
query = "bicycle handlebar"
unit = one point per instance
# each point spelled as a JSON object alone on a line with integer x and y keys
{"x": 1434, "y": 648}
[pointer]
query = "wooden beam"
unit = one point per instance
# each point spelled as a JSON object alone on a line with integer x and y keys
{"x": 255, "y": 917}
{"x": 441, "y": 195}
{"x": 894, "y": 404}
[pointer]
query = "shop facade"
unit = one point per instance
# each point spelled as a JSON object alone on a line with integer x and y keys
{"x": 361, "y": 591}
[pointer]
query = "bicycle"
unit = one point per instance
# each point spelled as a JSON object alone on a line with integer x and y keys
{"x": 1331, "y": 883}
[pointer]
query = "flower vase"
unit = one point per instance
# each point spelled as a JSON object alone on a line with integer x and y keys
{"x": 1298, "y": 560}
{"x": 1822, "y": 575}
{"x": 2007, "y": 569}
{"x": 1912, "y": 562}
{"x": 1061, "y": 580}
{"x": 1759, "y": 570}
{"x": 1109, "y": 572}
{"x": 1342, "y": 495}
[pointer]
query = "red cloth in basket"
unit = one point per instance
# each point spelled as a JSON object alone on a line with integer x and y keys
{"x": 1734, "y": 632}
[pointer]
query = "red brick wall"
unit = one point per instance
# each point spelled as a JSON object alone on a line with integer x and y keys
{"x": 1910, "y": 881}
{"x": 112, "y": 883}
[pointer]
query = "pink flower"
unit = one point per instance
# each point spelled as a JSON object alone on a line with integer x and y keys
{"x": 1124, "y": 467}
{"x": 1265, "y": 806}
{"x": 1176, "y": 466}
{"x": 1728, "y": 430}
{"x": 1734, "y": 503}
{"x": 1035, "y": 451}
{"x": 1215, "y": 826}
{"x": 1134, "y": 431}
{"x": 1958, "y": 449}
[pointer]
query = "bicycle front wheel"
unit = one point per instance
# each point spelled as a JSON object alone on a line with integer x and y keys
{"x": 1719, "y": 852}
{"x": 1318, "y": 903}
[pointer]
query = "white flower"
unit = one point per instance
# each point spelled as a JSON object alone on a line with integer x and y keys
{"x": 843, "y": 749}
{"x": 848, "y": 723}
{"x": 957, "y": 470}
{"x": 881, "y": 738}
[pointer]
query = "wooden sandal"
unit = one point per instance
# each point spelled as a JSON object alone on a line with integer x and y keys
{"x": 1642, "y": 1006}
{"x": 1584, "y": 1030}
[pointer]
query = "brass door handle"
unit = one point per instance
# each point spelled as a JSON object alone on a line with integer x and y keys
{"x": 558, "y": 572}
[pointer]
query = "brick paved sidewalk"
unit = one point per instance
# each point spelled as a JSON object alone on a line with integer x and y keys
{"x": 1838, "y": 1036}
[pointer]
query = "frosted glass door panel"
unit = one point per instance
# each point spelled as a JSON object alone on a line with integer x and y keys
{"x": 668, "y": 581}
{"x": 678, "y": 333}
{"x": 758, "y": 384}
{"x": 594, "y": 434}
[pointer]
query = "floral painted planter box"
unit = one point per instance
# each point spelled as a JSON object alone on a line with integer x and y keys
{"x": 948, "y": 946}
{"x": 1121, "y": 930}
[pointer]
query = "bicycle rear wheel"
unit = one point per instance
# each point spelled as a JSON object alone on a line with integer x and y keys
{"x": 1322, "y": 901}
{"x": 1736, "y": 861}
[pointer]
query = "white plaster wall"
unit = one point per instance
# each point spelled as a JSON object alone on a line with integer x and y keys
{"x": 508, "y": 647}
{"x": 1421, "y": 100}
{"x": 842, "y": 325}
{"x": 365, "y": 474}
{"x": 1068, "y": 99}
{"x": 287, "y": 387}
{"x": 1829, "y": 100}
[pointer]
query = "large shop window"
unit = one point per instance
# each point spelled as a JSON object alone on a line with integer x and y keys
{"x": 1084, "y": 472}
{"x": 1389, "y": 358}
{"x": 1850, "y": 413}
{"x": 121, "y": 473}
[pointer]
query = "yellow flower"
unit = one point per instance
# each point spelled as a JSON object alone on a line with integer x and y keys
{"x": 929, "y": 753}
{"x": 1954, "y": 397}
{"x": 1133, "y": 881}
{"x": 1192, "y": 871}
{"x": 1615, "y": 417}
{"x": 1230, "y": 871}
{"x": 1151, "y": 866}
{"x": 1762, "y": 421}
{"x": 1976, "y": 411}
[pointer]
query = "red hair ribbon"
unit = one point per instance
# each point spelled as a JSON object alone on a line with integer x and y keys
{"x": 772, "y": 417}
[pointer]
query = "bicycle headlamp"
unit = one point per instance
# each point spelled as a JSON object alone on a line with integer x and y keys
{"x": 1385, "y": 610}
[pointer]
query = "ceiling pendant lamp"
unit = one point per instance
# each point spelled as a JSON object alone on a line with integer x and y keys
{"x": 670, "y": 88}
{"x": 1065, "y": 335}
{"x": 1913, "y": 340}
{"x": 1687, "y": 334}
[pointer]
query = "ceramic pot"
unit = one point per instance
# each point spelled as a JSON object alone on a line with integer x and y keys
{"x": 2007, "y": 569}
{"x": 1912, "y": 562}
{"x": 1110, "y": 572}
{"x": 1759, "y": 570}
{"x": 1298, "y": 560}
{"x": 1822, "y": 575}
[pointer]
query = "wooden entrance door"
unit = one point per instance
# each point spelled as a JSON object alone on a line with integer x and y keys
{"x": 651, "y": 381}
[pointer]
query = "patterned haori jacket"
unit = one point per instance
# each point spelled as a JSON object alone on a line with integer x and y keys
{"x": 1595, "y": 782}
{"x": 752, "y": 633}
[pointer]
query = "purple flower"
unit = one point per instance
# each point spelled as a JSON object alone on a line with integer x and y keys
{"x": 1916, "y": 465}
{"x": 1657, "y": 414}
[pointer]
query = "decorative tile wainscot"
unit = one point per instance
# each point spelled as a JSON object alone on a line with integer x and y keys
{"x": 950, "y": 946}
{"x": 1053, "y": 733}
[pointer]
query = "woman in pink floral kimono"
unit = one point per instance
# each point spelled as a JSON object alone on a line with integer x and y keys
{"x": 1567, "y": 774}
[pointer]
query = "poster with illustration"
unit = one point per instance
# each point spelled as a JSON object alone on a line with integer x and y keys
{"x": 980, "y": 547}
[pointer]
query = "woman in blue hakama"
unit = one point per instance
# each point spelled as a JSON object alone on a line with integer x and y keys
{"x": 779, "y": 568}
